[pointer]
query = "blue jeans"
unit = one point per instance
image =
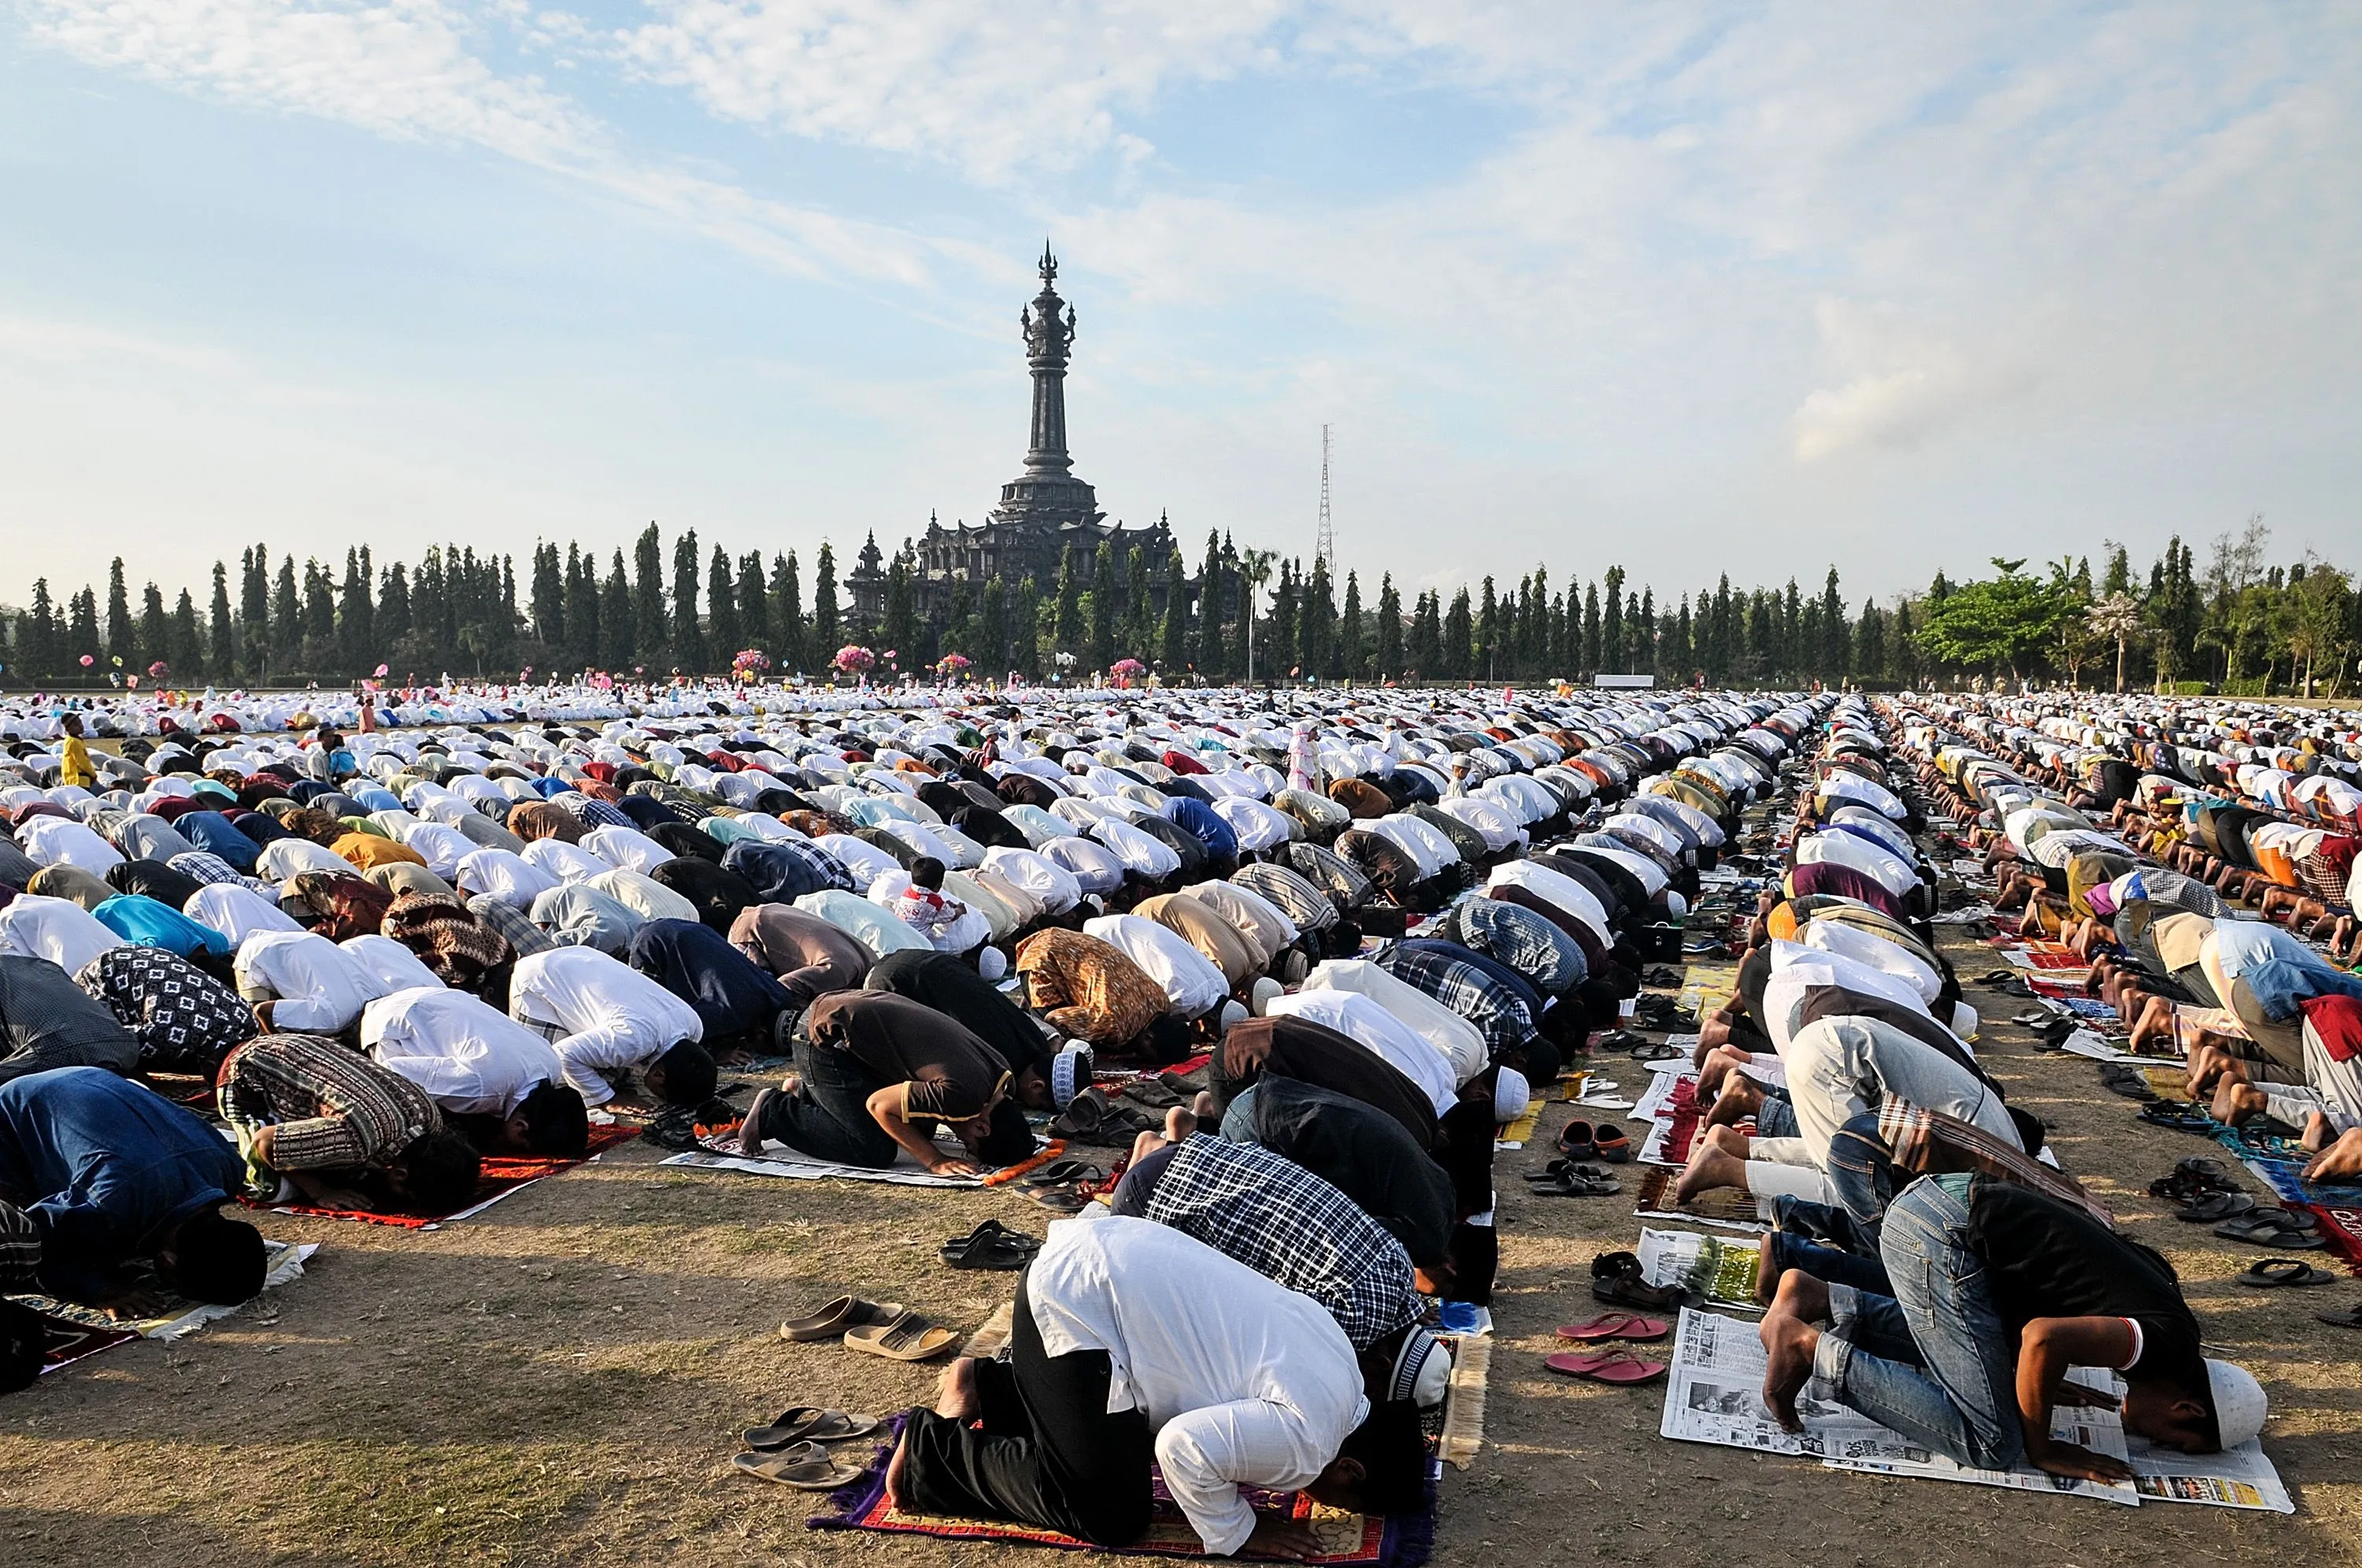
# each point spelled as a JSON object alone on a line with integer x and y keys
{"x": 1863, "y": 1170}
{"x": 1238, "y": 1121}
{"x": 1932, "y": 1363}
{"x": 1776, "y": 1117}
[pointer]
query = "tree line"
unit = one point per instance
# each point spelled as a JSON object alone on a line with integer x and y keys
{"x": 687, "y": 610}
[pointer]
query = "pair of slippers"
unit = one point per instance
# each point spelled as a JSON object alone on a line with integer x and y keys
{"x": 2181, "y": 1115}
{"x": 1582, "y": 1140}
{"x": 1063, "y": 1186}
{"x": 885, "y": 1328}
{"x": 2277, "y": 1229}
{"x": 2273, "y": 1273}
{"x": 991, "y": 1246}
{"x": 2123, "y": 1079}
{"x": 794, "y": 1451}
{"x": 1571, "y": 1179}
{"x": 1617, "y": 1278}
{"x": 1094, "y": 1117}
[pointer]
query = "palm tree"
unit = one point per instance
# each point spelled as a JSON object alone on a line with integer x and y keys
{"x": 1254, "y": 570}
{"x": 2117, "y": 619}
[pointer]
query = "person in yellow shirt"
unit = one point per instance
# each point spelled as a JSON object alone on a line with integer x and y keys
{"x": 74, "y": 765}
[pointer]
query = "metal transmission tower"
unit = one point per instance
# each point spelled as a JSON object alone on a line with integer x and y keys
{"x": 1326, "y": 550}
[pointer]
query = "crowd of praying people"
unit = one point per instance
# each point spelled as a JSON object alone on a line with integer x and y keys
{"x": 1385, "y": 921}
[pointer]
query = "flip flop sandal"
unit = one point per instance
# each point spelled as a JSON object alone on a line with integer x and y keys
{"x": 1652, "y": 1051}
{"x": 1152, "y": 1094}
{"x": 1064, "y": 1201}
{"x": 2274, "y": 1228}
{"x": 844, "y": 1312}
{"x": 1996, "y": 977}
{"x": 1062, "y": 1173}
{"x": 1616, "y": 1279}
{"x": 2214, "y": 1206}
{"x": 1577, "y": 1141}
{"x": 1576, "y": 1181}
{"x": 1624, "y": 1326}
{"x": 807, "y": 1467}
{"x": 2267, "y": 1274}
{"x": 1621, "y": 1369}
{"x": 2344, "y": 1318}
{"x": 990, "y": 1246}
{"x": 2129, "y": 1082}
{"x": 2180, "y": 1115}
{"x": 1083, "y": 1115}
{"x": 1612, "y": 1143}
{"x": 809, "y": 1424}
{"x": 907, "y": 1338}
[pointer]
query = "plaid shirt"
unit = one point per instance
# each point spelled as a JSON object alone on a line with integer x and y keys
{"x": 592, "y": 814}
{"x": 1520, "y": 940}
{"x": 1329, "y": 872}
{"x": 1928, "y": 1143}
{"x": 1290, "y": 1226}
{"x": 203, "y": 866}
{"x": 1298, "y": 899}
{"x": 184, "y": 1020}
{"x": 1467, "y": 990}
{"x": 334, "y": 1108}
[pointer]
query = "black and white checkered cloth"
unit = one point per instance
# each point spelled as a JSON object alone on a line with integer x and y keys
{"x": 1290, "y": 1226}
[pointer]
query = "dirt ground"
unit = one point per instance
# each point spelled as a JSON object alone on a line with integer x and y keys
{"x": 561, "y": 1380}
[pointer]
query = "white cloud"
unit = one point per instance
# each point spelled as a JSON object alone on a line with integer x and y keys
{"x": 1905, "y": 385}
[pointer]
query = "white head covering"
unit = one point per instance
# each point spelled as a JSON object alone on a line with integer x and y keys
{"x": 1512, "y": 1095}
{"x": 1070, "y": 1069}
{"x": 2239, "y": 1403}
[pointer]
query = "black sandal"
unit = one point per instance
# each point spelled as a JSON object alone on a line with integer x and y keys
{"x": 1616, "y": 1279}
{"x": 991, "y": 1245}
{"x": 2269, "y": 1274}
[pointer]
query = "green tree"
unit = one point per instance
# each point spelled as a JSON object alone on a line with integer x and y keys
{"x": 726, "y": 637}
{"x": 687, "y": 636}
{"x": 1172, "y": 642}
{"x": 1390, "y": 629}
{"x": 1995, "y": 622}
{"x": 827, "y": 624}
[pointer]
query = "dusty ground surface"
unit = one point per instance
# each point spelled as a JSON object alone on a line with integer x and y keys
{"x": 561, "y": 1381}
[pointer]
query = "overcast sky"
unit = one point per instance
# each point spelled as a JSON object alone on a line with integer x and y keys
{"x": 1688, "y": 288}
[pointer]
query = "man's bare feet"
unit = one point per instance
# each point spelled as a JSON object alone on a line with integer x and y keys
{"x": 1767, "y": 1276}
{"x": 2235, "y": 1102}
{"x": 750, "y": 1137}
{"x": 1204, "y": 1107}
{"x": 1789, "y": 1342}
{"x": 1180, "y": 1124}
{"x": 1146, "y": 1145}
{"x": 955, "y": 1390}
{"x": 1740, "y": 1098}
{"x": 1717, "y": 1064}
{"x": 896, "y": 1468}
{"x": 2152, "y": 1025}
{"x": 2342, "y": 1161}
{"x": 1712, "y": 1165}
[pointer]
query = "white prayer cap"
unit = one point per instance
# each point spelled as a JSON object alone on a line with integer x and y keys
{"x": 1233, "y": 1013}
{"x": 992, "y": 963}
{"x": 2239, "y": 1403}
{"x": 1512, "y": 1095}
{"x": 1266, "y": 991}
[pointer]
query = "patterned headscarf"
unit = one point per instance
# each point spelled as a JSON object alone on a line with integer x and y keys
{"x": 447, "y": 937}
{"x": 346, "y": 906}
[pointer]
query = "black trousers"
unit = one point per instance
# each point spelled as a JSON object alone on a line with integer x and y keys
{"x": 1045, "y": 1451}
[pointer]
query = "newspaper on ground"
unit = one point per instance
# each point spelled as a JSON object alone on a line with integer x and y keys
{"x": 1719, "y": 1271}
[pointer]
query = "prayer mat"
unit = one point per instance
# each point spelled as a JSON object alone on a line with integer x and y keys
{"x": 2336, "y": 1207}
{"x": 1727, "y": 1206}
{"x": 1676, "y": 1127}
{"x": 1357, "y": 1539}
{"x": 1518, "y": 1133}
{"x": 501, "y": 1175}
{"x": 1461, "y": 1434}
{"x": 781, "y": 1161}
{"x": 78, "y": 1332}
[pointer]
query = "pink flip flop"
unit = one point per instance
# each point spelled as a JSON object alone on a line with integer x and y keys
{"x": 1628, "y": 1326}
{"x": 1616, "y": 1367}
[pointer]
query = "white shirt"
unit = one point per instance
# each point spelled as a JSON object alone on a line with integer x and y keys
{"x": 319, "y": 987}
{"x": 1554, "y": 888}
{"x": 1092, "y": 866}
{"x": 874, "y": 926}
{"x": 567, "y": 862}
{"x": 393, "y": 967}
{"x": 506, "y": 876}
{"x": 56, "y": 840}
{"x": 626, "y": 847}
{"x": 1136, "y": 850}
{"x": 283, "y": 858}
{"x": 1188, "y": 976}
{"x": 1367, "y": 1023}
{"x": 615, "y": 1019}
{"x": 1888, "y": 870}
{"x": 1869, "y": 947}
{"x": 648, "y": 900}
{"x": 1244, "y": 1382}
{"x": 58, "y": 930}
{"x": 237, "y": 912}
{"x": 471, "y": 1058}
{"x": 1052, "y": 884}
{"x": 1796, "y": 969}
{"x": 441, "y": 847}
{"x": 1460, "y": 1042}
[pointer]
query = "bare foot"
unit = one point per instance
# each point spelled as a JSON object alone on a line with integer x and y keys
{"x": 2235, "y": 1102}
{"x": 1146, "y": 1145}
{"x": 2152, "y": 1025}
{"x": 1180, "y": 1124}
{"x": 955, "y": 1390}
{"x": 896, "y": 1468}
{"x": 1740, "y": 1099}
{"x": 1204, "y": 1107}
{"x": 1767, "y": 1278}
{"x": 1789, "y": 1343}
{"x": 750, "y": 1139}
{"x": 1709, "y": 1168}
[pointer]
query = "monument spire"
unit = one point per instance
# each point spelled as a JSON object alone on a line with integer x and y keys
{"x": 1049, "y": 326}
